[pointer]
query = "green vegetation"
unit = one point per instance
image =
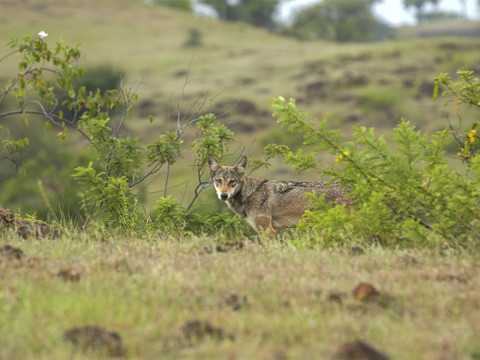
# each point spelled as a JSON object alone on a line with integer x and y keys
{"x": 412, "y": 195}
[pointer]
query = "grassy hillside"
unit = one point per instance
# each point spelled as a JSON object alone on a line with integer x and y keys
{"x": 237, "y": 68}
{"x": 372, "y": 84}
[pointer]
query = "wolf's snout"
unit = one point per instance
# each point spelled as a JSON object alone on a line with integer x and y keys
{"x": 224, "y": 196}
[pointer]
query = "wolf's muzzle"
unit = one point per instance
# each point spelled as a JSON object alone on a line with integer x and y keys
{"x": 223, "y": 196}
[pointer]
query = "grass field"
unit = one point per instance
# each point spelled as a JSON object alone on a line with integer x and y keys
{"x": 270, "y": 301}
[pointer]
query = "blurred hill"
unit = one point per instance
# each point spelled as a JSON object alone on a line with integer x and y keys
{"x": 372, "y": 84}
{"x": 235, "y": 68}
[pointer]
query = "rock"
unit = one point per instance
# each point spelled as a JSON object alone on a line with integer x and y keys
{"x": 367, "y": 293}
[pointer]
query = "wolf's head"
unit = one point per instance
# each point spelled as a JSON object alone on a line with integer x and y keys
{"x": 228, "y": 180}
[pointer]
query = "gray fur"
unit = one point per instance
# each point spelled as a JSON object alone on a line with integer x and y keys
{"x": 268, "y": 204}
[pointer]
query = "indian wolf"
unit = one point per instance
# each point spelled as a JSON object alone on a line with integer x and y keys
{"x": 268, "y": 205}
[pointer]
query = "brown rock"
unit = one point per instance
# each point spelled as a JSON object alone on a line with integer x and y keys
{"x": 365, "y": 292}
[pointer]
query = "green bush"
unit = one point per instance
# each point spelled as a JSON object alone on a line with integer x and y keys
{"x": 410, "y": 195}
{"x": 114, "y": 177}
{"x": 228, "y": 225}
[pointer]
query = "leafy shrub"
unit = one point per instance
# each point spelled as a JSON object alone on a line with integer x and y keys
{"x": 410, "y": 195}
{"x": 465, "y": 92}
{"x": 104, "y": 77}
{"x": 168, "y": 216}
{"x": 120, "y": 164}
{"x": 228, "y": 225}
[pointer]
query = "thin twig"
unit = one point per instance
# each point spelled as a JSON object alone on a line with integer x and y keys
{"x": 166, "y": 180}
{"x": 152, "y": 171}
{"x": 9, "y": 54}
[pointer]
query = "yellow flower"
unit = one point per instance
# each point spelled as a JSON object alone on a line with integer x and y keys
{"x": 471, "y": 136}
{"x": 340, "y": 157}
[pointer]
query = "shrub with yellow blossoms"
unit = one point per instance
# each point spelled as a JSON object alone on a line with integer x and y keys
{"x": 466, "y": 91}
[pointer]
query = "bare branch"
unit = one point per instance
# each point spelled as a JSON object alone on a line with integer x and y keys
{"x": 200, "y": 187}
{"x": 187, "y": 75}
{"x": 152, "y": 171}
{"x": 50, "y": 115}
{"x": 167, "y": 175}
{"x": 9, "y": 54}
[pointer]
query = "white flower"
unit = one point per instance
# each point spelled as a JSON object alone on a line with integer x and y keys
{"x": 42, "y": 34}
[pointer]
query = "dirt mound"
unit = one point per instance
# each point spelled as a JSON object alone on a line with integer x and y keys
{"x": 193, "y": 332}
{"x": 235, "y": 302}
{"x": 10, "y": 253}
{"x": 94, "y": 338}
{"x": 358, "y": 350}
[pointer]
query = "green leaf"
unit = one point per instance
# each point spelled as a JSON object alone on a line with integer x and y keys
{"x": 435, "y": 90}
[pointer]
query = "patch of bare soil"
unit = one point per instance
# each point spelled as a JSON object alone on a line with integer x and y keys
{"x": 69, "y": 274}
{"x": 96, "y": 339}
{"x": 224, "y": 247}
{"x": 194, "y": 332}
{"x": 10, "y": 253}
{"x": 336, "y": 297}
{"x": 234, "y": 301}
{"x": 26, "y": 228}
{"x": 315, "y": 89}
{"x": 408, "y": 260}
{"x": 358, "y": 350}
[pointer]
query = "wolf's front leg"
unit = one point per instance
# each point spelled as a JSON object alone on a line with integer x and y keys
{"x": 263, "y": 225}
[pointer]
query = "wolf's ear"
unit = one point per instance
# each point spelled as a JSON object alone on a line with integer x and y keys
{"x": 241, "y": 166}
{"x": 212, "y": 165}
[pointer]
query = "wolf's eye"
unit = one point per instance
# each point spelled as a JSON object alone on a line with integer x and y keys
{"x": 232, "y": 182}
{"x": 218, "y": 181}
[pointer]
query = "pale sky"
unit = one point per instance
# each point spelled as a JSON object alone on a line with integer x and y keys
{"x": 392, "y": 11}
